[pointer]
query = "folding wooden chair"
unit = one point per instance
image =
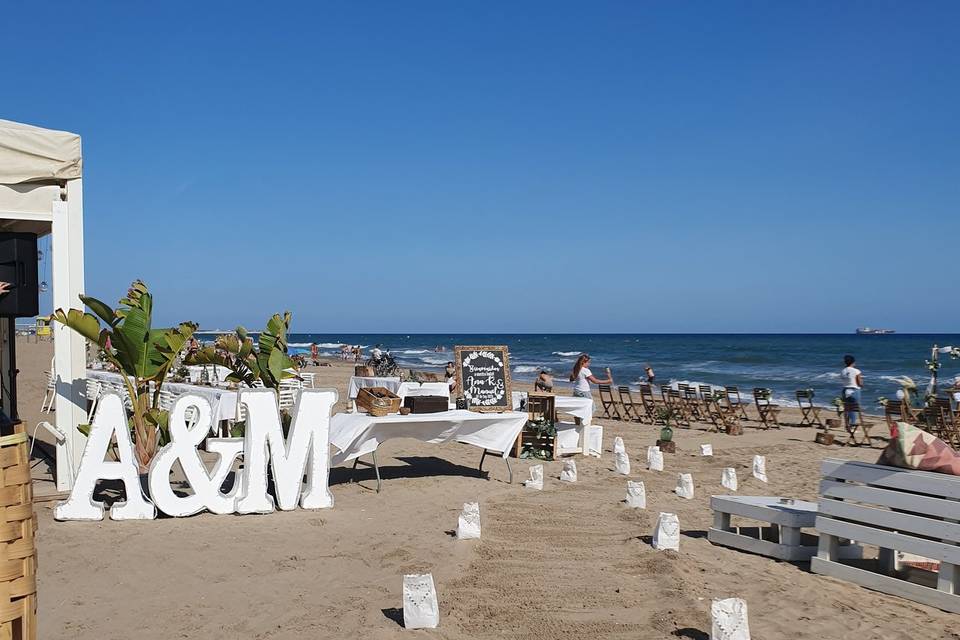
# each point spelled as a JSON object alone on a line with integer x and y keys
{"x": 946, "y": 421}
{"x": 767, "y": 411}
{"x": 675, "y": 402}
{"x": 649, "y": 404}
{"x": 691, "y": 403}
{"x": 735, "y": 401}
{"x": 809, "y": 412}
{"x": 893, "y": 412}
{"x": 851, "y": 406}
{"x": 608, "y": 403}
{"x": 718, "y": 416}
{"x": 631, "y": 410}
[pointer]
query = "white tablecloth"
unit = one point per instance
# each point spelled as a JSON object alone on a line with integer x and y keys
{"x": 425, "y": 389}
{"x": 357, "y": 383}
{"x": 214, "y": 371}
{"x": 222, "y": 401}
{"x": 577, "y": 407}
{"x": 354, "y": 434}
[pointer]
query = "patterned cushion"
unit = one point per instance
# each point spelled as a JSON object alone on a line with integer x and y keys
{"x": 913, "y": 448}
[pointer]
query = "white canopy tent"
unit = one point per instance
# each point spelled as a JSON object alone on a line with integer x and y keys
{"x": 41, "y": 191}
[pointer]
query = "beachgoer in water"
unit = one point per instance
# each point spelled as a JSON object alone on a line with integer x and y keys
{"x": 651, "y": 376}
{"x": 544, "y": 381}
{"x": 852, "y": 380}
{"x": 581, "y": 377}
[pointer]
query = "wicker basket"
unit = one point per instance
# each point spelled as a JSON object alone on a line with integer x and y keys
{"x": 18, "y": 555}
{"x": 378, "y": 401}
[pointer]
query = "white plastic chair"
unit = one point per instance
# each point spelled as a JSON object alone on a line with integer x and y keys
{"x": 50, "y": 393}
{"x": 308, "y": 380}
{"x": 93, "y": 397}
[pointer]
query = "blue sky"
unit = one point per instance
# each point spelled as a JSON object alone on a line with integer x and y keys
{"x": 530, "y": 167}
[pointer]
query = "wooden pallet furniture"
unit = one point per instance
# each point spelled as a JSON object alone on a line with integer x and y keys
{"x": 540, "y": 406}
{"x": 779, "y": 534}
{"x": 915, "y": 512}
{"x": 18, "y": 554}
{"x": 809, "y": 412}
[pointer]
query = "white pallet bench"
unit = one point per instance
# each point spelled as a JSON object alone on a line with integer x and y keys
{"x": 782, "y": 538}
{"x": 915, "y": 512}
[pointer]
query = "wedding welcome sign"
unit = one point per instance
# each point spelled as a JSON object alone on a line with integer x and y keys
{"x": 303, "y": 452}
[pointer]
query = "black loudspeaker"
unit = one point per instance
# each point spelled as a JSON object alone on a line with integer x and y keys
{"x": 18, "y": 266}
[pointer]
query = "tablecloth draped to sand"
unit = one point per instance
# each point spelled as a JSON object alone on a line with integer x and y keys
{"x": 223, "y": 402}
{"x": 354, "y": 434}
{"x": 358, "y": 382}
{"x": 577, "y": 407}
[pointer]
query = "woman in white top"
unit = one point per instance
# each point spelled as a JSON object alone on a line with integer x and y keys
{"x": 852, "y": 380}
{"x": 581, "y": 377}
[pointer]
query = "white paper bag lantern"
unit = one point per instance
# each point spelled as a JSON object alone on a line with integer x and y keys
{"x": 569, "y": 472}
{"x": 666, "y": 535}
{"x": 729, "y": 478}
{"x": 706, "y": 449}
{"x": 655, "y": 459}
{"x": 468, "y": 524}
{"x": 593, "y": 440}
{"x": 420, "y": 609}
{"x": 618, "y": 446}
{"x": 729, "y": 620}
{"x": 685, "y": 486}
{"x": 623, "y": 463}
{"x": 760, "y": 468}
{"x": 636, "y": 495}
{"x": 536, "y": 477}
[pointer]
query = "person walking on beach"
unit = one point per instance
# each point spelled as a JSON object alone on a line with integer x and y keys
{"x": 315, "y": 354}
{"x": 852, "y": 379}
{"x": 581, "y": 377}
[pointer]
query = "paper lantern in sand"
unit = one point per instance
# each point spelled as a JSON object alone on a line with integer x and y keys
{"x": 468, "y": 524}
{"x": 636, "y": 495}
{"x": 685, "y": 486}
{"x": 729, "y": 479}
{"x": 618, "y": 446}
{"x": 706, "y": 449}
{"x": 569, "y": 472}
{"x": 666, "y": 535}
{"x": 654, "y": 459}
{"x": 622, "y": 463}
{"x": 729, "y": 620}
{"x": 536, "y": 477}
{"x": 420, "y": 609}
{"x": 760, "y": 468}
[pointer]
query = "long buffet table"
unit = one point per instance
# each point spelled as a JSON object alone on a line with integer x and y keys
{"x": 223, "y": 402}
{"x": 355, "y": 435}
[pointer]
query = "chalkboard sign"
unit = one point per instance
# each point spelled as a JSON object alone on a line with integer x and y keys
{"x": 483, "y": 375}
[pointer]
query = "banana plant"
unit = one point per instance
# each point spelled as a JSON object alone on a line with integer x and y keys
{"x": 267, "y": 362}
{"x": 141, "y": 353}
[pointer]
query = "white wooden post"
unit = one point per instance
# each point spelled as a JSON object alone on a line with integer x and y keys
{"x": 69, "y": 347}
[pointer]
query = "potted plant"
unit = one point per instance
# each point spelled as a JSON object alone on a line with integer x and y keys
{"x": 266, "y": 362}
{"x": 666, "y": 443}
{"x": 141, "y": 354}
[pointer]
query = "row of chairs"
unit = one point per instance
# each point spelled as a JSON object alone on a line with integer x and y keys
{"x": 938, "y": 417}
{"x": 724, "y": 409}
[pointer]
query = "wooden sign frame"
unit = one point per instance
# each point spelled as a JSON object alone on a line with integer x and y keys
{"x": 504, "y": 352}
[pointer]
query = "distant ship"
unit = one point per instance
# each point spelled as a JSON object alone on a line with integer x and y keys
{"x": 867, "y": 331}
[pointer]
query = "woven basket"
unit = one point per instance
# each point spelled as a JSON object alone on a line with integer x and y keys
{"x": 18, "y": 555}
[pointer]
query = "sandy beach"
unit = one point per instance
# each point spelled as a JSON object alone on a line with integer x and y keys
{"x": 568, "y": 561}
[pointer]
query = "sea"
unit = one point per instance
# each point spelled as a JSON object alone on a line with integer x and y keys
{"x": 783, "y": 363}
